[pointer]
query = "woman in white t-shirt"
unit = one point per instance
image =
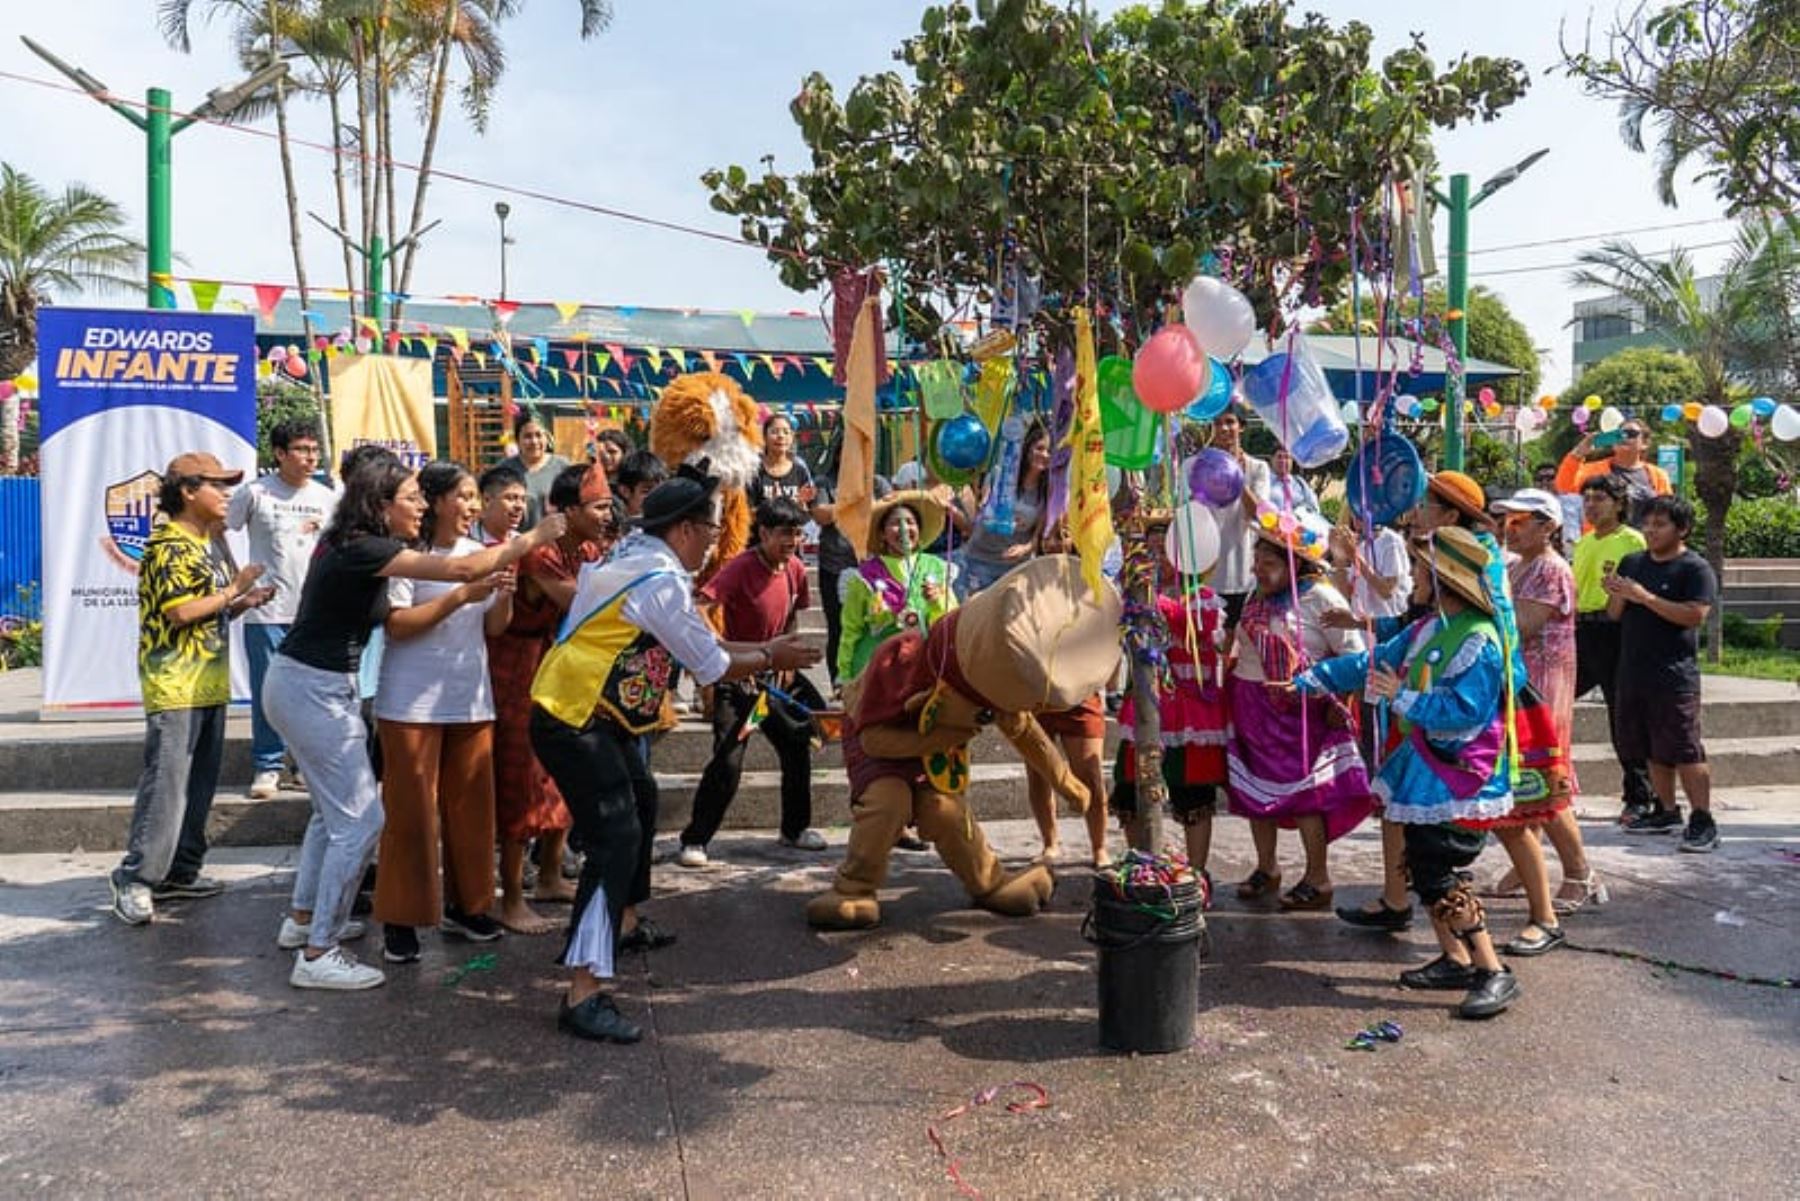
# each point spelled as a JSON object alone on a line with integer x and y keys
{"x": 435, "y": 715}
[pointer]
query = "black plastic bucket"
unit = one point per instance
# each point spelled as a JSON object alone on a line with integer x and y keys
{"x": 1149, "y": 940}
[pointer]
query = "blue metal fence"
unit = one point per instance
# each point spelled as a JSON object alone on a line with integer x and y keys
{"x": 21, "y": 548}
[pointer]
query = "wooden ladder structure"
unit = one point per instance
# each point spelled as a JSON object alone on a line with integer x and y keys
{"x": 479, "y": 398}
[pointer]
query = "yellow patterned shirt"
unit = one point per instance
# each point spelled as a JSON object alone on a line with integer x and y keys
{"x": 180, "y": 667}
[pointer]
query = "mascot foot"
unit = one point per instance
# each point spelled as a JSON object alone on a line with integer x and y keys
{"x": 835, "y": 910}
{"x": 1021, "y": 894}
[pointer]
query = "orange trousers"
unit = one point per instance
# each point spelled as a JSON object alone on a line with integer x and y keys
{"x": 437, "y": 785}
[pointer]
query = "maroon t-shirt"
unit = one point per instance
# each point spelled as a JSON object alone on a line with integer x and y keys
{"x": 757, "y": 600}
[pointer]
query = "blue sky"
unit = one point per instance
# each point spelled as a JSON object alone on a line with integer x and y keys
{"x": 630, "y": 119}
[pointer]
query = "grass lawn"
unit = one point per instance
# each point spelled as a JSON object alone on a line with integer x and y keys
{"x": 1757, "y": 664}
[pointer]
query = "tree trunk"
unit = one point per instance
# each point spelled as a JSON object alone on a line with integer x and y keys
{"x": 434, "y": 121}
{"x": 1715, "y": 483}
{"x": 9, "y": 434}
{"x": 343, "y": 199}
{"x": 385, "y": 116}
{"x": 16, "y": 354}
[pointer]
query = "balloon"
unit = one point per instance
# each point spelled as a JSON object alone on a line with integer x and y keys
{"x": 1219, "y": 316}
{"x": 1547, "y": 403}
{"x": 1217, "y": 397}
{"x": 1486, "y": 397}
{"x": 1691, "y": 410}
{"x": 1712, "y": 422}
{"x": 1592, "y": 404}
{"x": 1406, "y": 405}
{"x": 1526, "y": 421}
{"x": 963, "y": 442}
{"x": 1428, "y": 405}
{"x": 1170, "y": 370}
{"x": 1215, "y": 477}
{"x": 363, "y": 345}
{"x": 294, "y": 351}
{"x": 1671, "y": 413}
{"x": 1741, "y": 417}
{"x": 7, "y": 388}
{"x": 26, "y": 381}
{"x": 1580, "y": 418}
{"x": 1192, "y": 543}
{"x": 1130, "y": 428}
{"x": 1289, "y": 392}
{"x": 1763, "y": 406}
{"x": 1785, "y": 424}
{"x": 295, "y": 365}
{"x": 277, "y": 353}
{"x": 1610, "y": 419}
{"x": 1352, "y": 414}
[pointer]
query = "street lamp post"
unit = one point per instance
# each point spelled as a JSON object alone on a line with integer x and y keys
{"x": 160, "y": 126}
{"x": 1460, "y": 203}
{"x": 375, "y": 258}
{"x": 503, "y": 210}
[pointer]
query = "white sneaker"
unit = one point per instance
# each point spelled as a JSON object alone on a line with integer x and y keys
{"x": 132, "y": 903}
{"x": 264, "y": 785}
{"x": 692, "y": 856}
{"x": 336, "y": 969}
{"x": 808, "y": 840}
{"x": 295, "y": 934}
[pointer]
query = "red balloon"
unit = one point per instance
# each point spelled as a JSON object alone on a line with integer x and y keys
{"x": 1170, "y": 370}
{"x": 295, "y": 366}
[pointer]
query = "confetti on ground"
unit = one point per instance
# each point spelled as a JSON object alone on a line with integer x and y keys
{"x": 486, "y": 962}
{"x": 1040, "y": 1099}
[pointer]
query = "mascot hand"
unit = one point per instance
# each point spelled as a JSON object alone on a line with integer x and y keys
{"x": 896, "y": 741}
{"x": 1041, "y": 755}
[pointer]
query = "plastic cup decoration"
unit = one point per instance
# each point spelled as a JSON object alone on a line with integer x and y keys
{"x": 1129, "y": 428}
{"x": 1741, "y": 416}
{"x": 1307, "y": 420}
{"x": 1671, "y": 413}
{"x": 1581, "y": 417}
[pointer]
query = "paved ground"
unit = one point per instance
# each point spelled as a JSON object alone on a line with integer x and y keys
{"x": 176, "y": 1061}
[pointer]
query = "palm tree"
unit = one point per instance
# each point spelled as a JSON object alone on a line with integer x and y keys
{"x": 1732, "y": 333}
{"x": 51, "y": 244}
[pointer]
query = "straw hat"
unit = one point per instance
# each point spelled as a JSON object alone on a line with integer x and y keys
{"x": 927, "y": 507}
{"x": 1037, "y": 638}
{"x": 1310, "y": 539}
{"x": 1459, "y": 562}
{"x": 1461, "y": 493}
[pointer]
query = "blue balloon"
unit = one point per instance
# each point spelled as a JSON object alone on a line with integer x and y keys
{"x": 962, "y": 442}
{"x": 1763, "y": 406}
{"x": 1671, "y": 413}
{"x": 1217, "y": 397}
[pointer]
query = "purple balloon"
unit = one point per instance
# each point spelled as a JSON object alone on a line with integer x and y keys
{"x": 1215, "y": 477}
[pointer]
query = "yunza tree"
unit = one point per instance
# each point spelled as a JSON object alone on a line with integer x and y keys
{"x": 1109, "y": 160}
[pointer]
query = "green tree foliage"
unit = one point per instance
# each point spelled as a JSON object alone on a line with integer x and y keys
{"x": 1707, "y": 84}
{"x": 1494, "y": 334}
{"x": 1109, "y": 158}
{"x": 1639, "y": 381}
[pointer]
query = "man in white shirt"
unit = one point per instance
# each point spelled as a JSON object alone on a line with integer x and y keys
{"x": 282, "y": 514}
{"x": 1231, "y": 579}
{"x": 1374, "y": 572}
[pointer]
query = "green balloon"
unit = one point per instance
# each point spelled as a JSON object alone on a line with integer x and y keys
{"x": 1740, "y": 417}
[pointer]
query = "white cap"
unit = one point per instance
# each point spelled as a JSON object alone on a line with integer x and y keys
{"x": 1533, "y": 500}
{"x": 909, "y": 475}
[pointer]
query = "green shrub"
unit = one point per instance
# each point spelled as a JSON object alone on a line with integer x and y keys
{"x": 1761, "y": 634}
{"x": 1763, "y": 529}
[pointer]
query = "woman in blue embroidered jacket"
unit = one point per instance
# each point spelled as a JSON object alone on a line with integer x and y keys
{"x": 1445, "y": 678}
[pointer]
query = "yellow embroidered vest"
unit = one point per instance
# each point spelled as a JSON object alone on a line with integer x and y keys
{"x": 604, "y": 666}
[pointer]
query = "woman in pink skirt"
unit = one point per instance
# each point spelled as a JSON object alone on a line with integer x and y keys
{"x": 1292, "y": 760}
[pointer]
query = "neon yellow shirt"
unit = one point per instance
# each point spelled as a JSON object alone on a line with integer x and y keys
{"x": 1594, "y": 558}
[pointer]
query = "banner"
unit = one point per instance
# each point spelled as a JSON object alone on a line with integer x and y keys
{"x": 384, "y": 400}
{"x": 122, "y": 393}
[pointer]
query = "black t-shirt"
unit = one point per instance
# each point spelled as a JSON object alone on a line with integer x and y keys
{"x": 344, "y": 599}
{"x": 782, "y": 487}
{"x": 1638, "y": 490}
{"x": 1658, "y": 656}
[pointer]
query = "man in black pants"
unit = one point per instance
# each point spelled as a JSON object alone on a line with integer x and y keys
{"x": 1598, "y": 555}
{"x": 759, "y": 594}
{"x": 600, "y": 687}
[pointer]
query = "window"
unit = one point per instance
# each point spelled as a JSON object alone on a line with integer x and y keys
{"x": 1605, "y": 325}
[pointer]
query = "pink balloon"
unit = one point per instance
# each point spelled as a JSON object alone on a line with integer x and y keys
{"x": 1580, "y": 418}
{"x": 296, "y": 366}
{"x": 1485, "y": 396}
{"x": 1170, "y": 370}
{"x": 7, "y": 388}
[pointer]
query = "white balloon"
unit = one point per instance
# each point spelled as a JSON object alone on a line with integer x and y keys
{"x": 1352, "y": 414}
{"x": 1785, "y": 424}
{"x": 1114, "y": 480}
{"x": 1192, "y": 543}
{"x": 1610, "y": 419}
{"x": 1528, "y": 421}
{"x": 1219, "y": 315}
{"x": 1713, "y": 422}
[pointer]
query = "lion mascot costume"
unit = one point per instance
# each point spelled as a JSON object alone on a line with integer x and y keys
{"x": 705, "y": 415}
{"x": 1036, "y": 640}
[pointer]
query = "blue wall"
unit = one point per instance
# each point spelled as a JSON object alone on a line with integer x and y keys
{"x": 21, "y": 548}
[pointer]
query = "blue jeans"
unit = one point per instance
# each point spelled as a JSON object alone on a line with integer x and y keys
{"x": 266, "y": 748}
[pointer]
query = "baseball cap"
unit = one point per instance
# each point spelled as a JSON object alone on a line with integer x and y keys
{"x": 197, "y": 464}
{"x": 1535, "y": 501}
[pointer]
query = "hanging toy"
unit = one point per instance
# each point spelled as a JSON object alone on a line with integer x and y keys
{"x": 1004, "y": 483}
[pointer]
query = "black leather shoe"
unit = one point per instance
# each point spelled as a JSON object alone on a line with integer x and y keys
{"x": 1490, "y": 994}
{"x": 1441, "y": 973}
{"x": 646, "y": 936}
{"x": 1548, "y": 939}
{"x": 599, "y": 1019}
{"x": 1391, "y": 920}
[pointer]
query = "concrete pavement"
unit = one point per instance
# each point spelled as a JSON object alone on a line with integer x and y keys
{"x": 175, "y": 1060}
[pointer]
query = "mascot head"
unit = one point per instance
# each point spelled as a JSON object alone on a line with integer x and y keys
{"x": 705, "y": 415}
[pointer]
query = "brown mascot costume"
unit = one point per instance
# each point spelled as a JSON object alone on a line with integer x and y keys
{"x": 705, "y": 415}
{"x": 1036, "y": 640}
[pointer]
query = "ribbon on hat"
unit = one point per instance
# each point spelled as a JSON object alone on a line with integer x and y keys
{"x": 595, "y": 486}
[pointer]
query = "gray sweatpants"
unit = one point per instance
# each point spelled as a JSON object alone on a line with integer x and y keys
{"x": 319, "y": 716}
{"x": 182, "y": 750}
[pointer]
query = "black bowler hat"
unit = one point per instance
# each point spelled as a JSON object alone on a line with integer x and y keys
{"x": 688, "y": 493}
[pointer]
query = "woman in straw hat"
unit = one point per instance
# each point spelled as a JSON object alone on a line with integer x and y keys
{"x": 1445, "y": 679}
{"x": 1292, "y": 760}
{"x": 897, "y": 586}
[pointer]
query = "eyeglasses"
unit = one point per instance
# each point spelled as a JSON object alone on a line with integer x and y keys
{"x": 1631, "y": 433}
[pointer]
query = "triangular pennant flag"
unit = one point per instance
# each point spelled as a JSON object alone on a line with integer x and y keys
{"x": 768, "y": 360}
{"x": 540, "y": 348}
{"x": 480, "y": 359}
{"x": 747, "y": 316}
{"x": 677, "y": 360}
{"x": 745, "y": 365}
{"x": 206, "y": 293}
{"x": 456, "y": 355}
{"x": 555, "y": 376}
{"x": 393, "y": 341}
{"x": 601, "y": 359}
{"x": 711, "y": 360}
{"x": 571, "y": 357}
{"x": 430, "y": 346}
{"x": 461, "y": 298}
{"x": 237, "y": 306}
{"x": 504, "y": 310}
{"x": 624, "y": 361}
{"x": 459, "y": 336}
{"x": 530, "y": 368}
{"x": 626, "y": 310}
{"x": 338, "y": 293}
{"x": 566, "y": 309}
{"x": 654, "y": 356}
{"x": 823, "y": 364}
{"x": 796, "y": 362}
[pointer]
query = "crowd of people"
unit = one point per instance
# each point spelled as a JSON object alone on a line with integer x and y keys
{"x": 467, "y": 674}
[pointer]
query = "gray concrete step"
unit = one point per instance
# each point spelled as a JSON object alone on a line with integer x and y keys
{"x": 97, "y": 819}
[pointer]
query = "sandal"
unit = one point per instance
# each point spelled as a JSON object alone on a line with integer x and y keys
{"x": 1306, "y": 896}
{"x": 1260, "y": 884}
{"x": 1590, "y": 888}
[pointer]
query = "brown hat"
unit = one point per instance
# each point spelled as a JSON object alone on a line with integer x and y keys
{"x": 199, "y": 465}
{"x": 1459, "y": 562}
{"x": 1037, "y": 639}
{"x": 1461, "y": 493}
{"x": 928, "y": 509}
